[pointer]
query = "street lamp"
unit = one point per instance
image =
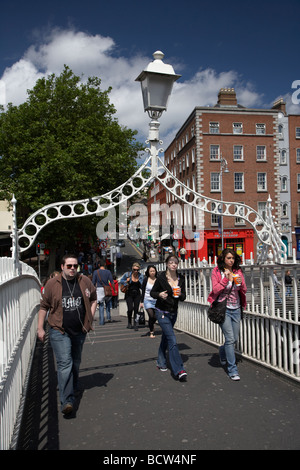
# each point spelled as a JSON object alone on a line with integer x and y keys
{"x": 157, "y": 81}
{"x": 223, "y": 167}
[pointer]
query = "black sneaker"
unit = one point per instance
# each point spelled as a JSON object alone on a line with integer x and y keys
{"x": 182, "y": 376}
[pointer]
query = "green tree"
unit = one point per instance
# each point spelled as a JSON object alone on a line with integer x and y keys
{"x": 63, "y": 144}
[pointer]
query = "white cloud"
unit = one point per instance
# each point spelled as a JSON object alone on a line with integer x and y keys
{"x": 90, "y": 55}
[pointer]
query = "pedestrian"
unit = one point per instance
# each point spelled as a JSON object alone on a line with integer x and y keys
{"x": 182, "y": 252}
{"x": 133, "y": 281}
{"x": 148, "y": 301}
{"x": 53, "y": 274}
{"x": 103, "y": 277}
{"x": 115, "y": 292}
{"x": 277, "y": 285}
{"x": 224, "y": 285}
{"x": 288, "y": 282}
{"x": 168, "y": 290}
{"x": 71, "y": 300}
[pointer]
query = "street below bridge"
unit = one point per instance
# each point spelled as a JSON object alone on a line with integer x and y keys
{"x": 126, "y": 404}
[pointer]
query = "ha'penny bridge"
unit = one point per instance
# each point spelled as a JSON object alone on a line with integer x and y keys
{"x": 125, "y": 403}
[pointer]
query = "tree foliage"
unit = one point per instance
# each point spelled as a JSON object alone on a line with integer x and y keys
{"x": 63, "y": 144}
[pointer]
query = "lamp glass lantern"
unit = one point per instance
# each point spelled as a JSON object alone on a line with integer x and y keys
{"x": 157, "y": 82}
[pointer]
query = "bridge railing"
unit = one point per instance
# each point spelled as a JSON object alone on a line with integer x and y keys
{"x": 19, "y": 300}
{"x": 270, "y": 330}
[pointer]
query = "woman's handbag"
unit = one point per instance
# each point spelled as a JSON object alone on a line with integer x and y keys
{"x": 107, "y": 289}
{"x": 216, "y": 312}
{"x": 141, "y": 317}
{"x": 124, "y": 288}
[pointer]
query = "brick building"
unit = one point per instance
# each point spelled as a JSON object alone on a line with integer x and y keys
{"x": 249, "y": 141}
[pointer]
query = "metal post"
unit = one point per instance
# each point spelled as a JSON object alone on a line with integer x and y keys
{"x": 14, "y": 236}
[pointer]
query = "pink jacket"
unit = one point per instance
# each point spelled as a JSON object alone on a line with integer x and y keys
{"x": 219, "y": 284}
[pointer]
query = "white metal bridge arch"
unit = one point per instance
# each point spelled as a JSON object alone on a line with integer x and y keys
{"x": 152, "y": 169}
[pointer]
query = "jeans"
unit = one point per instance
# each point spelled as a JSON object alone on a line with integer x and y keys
{"x": 67, "y": 350}
{"x": 231, "y": 330}
{"x": 168, "y": 340}
{"x": 108, "y": 304}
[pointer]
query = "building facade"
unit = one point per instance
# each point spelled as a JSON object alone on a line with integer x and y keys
{"x": 231, "y": 153}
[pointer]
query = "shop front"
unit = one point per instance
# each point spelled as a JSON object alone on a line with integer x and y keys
{"x": 240, "y": 241}
{"x": 209, "y": 243}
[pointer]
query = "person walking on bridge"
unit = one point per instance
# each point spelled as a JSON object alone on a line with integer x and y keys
{"x": 70, "y": 300}
{"x": 168, "y": 290}
{"x": 228, "y": 281}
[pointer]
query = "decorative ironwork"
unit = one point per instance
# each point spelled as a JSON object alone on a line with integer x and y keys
{"x": 265, "y": 229}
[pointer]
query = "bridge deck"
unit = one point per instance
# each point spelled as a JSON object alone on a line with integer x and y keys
{"x": 127, "y": 404}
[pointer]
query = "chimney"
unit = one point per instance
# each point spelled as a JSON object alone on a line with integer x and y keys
{"x": 227, "y": 97}
{"x": 280, "y": 105}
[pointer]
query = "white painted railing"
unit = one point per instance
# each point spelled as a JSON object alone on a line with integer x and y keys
{"x": 19, "y": 303}
{"x": 270, "y": 330}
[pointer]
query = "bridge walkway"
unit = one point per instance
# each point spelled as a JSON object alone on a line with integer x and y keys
{"x": 126, "y": 403}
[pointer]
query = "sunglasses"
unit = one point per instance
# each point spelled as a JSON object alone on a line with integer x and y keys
{"x": 69, "y": 266}
{"x": 135, "y": 270}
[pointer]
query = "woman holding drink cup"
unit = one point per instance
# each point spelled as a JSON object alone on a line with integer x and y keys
{"x": 228, "y": 281}
{"x": 169, "y": 289}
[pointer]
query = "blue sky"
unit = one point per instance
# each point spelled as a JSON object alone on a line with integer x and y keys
{"x": 251, "y": 46}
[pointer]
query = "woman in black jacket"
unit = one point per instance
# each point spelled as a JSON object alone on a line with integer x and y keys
{"x": 168, "y": 289}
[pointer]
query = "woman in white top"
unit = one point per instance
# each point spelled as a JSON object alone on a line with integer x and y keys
{"x": 147, "y": 300}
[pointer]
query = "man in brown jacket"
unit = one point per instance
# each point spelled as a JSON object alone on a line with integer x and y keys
{"x": 70, "y": 301}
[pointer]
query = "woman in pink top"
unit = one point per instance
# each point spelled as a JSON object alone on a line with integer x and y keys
{"x": 222, "y": 281}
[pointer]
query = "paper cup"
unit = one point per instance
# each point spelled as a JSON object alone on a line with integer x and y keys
{"x": 235, "y": 276}
{"x": 176, "y": 291}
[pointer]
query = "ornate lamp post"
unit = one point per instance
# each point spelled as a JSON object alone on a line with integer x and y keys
{"x": 157, "y": 81}
{"x": 224, "y": 167}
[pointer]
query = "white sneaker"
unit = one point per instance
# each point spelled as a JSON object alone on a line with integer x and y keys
{"x": 235, "y": 377}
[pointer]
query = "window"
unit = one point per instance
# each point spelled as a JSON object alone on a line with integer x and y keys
{"x": 237, "y": 128}
{"x": 261, "y": 181}
{"x": 297, "y": 132}
{"x": 298, "y": 182}
{"x": 240, "y": 211}
{"x": 262, "y": 209}
{"x": 284, "y": 209}
{"x": 238, "y": 152}
{"x": 215, "y": 152}
{"x": 283, "y": 159}
{"x": 239, "y": 181}
{"x": 280, "y": 131}
{"x": 180, "y": 167}
{"x": 284, "y": 184}
{"x": 214, "y": 217}
{"x": 297, "y": 155}
{"x": 261, "y": 152}
{"x": 214, "y": 128}
{"x": 193, "y": 155}
{"x": 187, "y": 158}
{"x": 260, "y": 129}
{"x": 215, "y": 181}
